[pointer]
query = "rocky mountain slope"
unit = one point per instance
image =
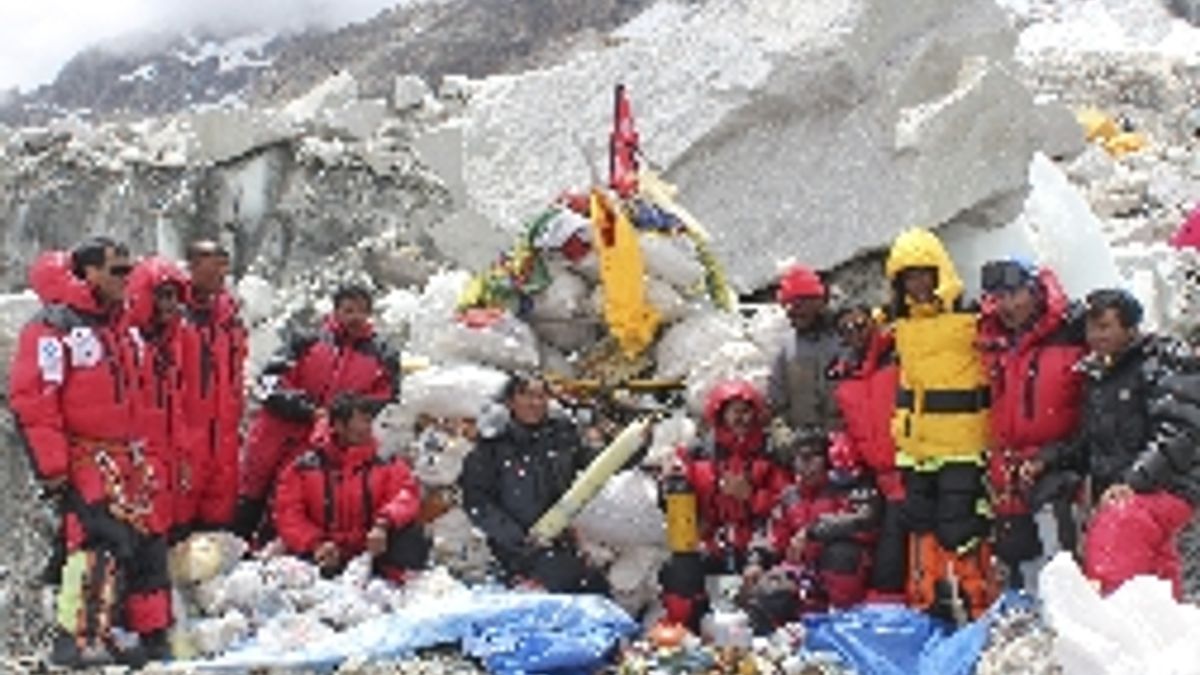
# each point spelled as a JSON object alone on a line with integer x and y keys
{"x": 164, "y": 73}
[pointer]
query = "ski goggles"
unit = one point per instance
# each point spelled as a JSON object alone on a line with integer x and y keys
{"x": 1005, "y": 275}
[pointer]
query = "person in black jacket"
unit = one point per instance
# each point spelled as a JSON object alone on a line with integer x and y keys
{"x": 514, "y": 475}
{"x": 1137, "y": 442}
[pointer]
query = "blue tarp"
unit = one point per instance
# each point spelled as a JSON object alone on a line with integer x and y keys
{"x": 894, "y": 640}
{"x": 511, "y": 633}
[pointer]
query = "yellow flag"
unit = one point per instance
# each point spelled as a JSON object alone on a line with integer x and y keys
{"x": 630, "y": 319}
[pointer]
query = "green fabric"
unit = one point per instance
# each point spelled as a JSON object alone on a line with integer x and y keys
{"x": 70, "y": 594}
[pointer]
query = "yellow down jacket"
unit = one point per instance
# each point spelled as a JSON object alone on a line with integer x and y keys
{"x": 941, "y": 406}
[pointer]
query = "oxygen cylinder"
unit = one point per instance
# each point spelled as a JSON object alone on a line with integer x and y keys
{"x": 683, "y": 534}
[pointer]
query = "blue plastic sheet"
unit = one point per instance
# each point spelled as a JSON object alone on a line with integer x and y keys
{"x": 894, "y": 640}
{"x": 512, "y": 633}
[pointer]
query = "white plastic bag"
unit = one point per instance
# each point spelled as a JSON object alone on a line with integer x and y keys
{"x": 624, "y": 513}
{"x": 672, "y": 259}
{"x": 508, "y": 343}
{"x": 456, "y": 391}
{"x": 737, "y": 360}
{"x": 697, "y": 335}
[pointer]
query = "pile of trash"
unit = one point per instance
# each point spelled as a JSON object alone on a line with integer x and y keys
{"x": 675, "y": 651}
{"x": 222, "y": 600}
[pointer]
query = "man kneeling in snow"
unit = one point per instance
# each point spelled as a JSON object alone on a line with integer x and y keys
{"x": 340, "y": 499}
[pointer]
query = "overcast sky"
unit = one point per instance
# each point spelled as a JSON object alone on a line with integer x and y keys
{"x": 38, "y": 36}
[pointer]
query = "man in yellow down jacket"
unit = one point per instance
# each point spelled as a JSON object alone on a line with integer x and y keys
{"x": 940, "y": 426}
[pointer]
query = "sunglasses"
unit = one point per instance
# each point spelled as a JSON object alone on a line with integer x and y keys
{"x": 852, "y": 327}
{"x": 120, "y": 270}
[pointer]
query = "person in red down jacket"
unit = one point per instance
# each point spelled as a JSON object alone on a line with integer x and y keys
{"x": 736, "y": 481}
{"x": 867, "y": 380}
{"x": 1030, "y": 348}
{"x": 155, "y": 289}
{"x": 824, "y": 525}
{"x": 344, "y": 357}
{"x": 340, "y": 499}
{"x": 214, "y": 381}
{"x": 73, "y": 390}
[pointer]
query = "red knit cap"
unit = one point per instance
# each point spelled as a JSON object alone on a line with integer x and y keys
{"x": 798, "y": 282}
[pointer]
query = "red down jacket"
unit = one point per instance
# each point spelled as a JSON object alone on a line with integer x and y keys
{"x": 307, "y": 374}
{"x": 1035, "y": 390}
{"x": 214, "y": 380}
{"x": 337, "y": 494}
{"x": 73, "y": 388}
{"x": 866, "y": 395}
{"x": 161, "y": 395}
{"x": 74, "y": 392}
{"x": 724, "y": 518}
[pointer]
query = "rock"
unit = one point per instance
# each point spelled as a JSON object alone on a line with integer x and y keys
{"x": 357, "y": 119}
{"x": 335, "y": 92}
{"x": 1094, "y": 165}
{"x": 224, "y": 134}
{"x": 456, "y": 87}
{"x": 1059, "y": 135}
{"x": 736, "y": 115}
{"x": 1188, "y": 10}
{"x": 441, "y": 149}
{"x": 1122, "y": 194}
{"x": 257, "y": 297}
{"x": 15, "y": 310}
{"x": 1191, "y": 123}
{"x": 409, "y": 93}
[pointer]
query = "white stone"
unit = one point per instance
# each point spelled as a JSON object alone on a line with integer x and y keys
{"x": 409, "y": 92}
{"x": 1059, "y": 134}
{"x": 358, "y": 119}
{"x": 223, "y": 134}
{"x": 335, "y": 91}
{"x": 457, "y": 87}
{"x": 257, "y": 297}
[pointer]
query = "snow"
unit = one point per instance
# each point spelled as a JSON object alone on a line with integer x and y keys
{"x": 1103, "y": 26}
{"x": 146, "y": 73}
{"x": 243, "y": 51}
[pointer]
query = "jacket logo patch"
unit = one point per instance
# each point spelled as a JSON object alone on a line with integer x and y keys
{"x": 86, "y": 350}
{"x": 50, "y": 359}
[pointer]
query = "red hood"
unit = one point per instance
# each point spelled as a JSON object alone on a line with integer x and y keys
{"x": 724, "y": 393}
{"x": 992, "y": 332}
{"x": 147, "y": 275}
{"x": 51, "y": 278}
{"x": 878, "y": 345}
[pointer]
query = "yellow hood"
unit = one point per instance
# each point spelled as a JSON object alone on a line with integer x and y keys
{"x": 919, "y": 247}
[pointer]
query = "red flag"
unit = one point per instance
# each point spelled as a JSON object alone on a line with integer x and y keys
{"x": 623, "y": 148}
